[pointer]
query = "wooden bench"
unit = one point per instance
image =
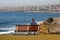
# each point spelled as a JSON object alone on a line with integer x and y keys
{"x": 27, "y": 29}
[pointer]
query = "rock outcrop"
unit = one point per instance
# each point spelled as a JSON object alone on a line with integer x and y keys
{"x": 51, "y": 25}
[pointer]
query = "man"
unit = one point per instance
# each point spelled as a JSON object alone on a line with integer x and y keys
{"x": 33, "y": 22}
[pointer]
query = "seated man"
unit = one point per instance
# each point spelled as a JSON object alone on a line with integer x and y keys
{"x": 33, "y": 22}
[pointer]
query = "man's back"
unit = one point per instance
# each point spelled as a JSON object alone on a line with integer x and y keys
{"x": 33, "y": 22}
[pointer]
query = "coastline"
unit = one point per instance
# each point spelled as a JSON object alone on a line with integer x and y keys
{"x": 32, "y": 11}
{"x": 42, "y": 11}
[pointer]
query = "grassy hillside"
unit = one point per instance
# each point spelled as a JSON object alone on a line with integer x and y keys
{"x": 31, "y": 37}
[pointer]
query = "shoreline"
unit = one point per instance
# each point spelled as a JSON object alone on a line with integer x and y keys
{"x": 41, "y": 11}
{"x": 32, "y": 11}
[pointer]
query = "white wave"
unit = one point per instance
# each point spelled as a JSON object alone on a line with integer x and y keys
{"x": 8, "y": 28}
{"x": 39, "y": 22}
{"x": 8, "y": 32}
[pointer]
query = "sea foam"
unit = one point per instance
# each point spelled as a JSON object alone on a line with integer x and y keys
{"x": 8, "y": 32}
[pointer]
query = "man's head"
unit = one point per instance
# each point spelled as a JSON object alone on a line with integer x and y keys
{"x": 33, "y": 19}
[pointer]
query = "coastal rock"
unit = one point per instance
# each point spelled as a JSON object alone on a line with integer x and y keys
{"x": 48, "y": 21}
{"x": 56, "y": 27}
{"x": 51, "y": 25}
{"x": 57, "y": 20}
{"x": 43, "y": 28}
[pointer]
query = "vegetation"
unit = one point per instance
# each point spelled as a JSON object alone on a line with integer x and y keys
{"x": 31, "y": 37}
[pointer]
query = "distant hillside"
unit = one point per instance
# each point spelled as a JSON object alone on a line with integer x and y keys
{"x": 34, "y": 8}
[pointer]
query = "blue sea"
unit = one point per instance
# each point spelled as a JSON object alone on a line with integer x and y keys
{"x": 9, "y": 20}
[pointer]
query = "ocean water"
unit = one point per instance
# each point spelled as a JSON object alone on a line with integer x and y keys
{"x": 9, "y": 20}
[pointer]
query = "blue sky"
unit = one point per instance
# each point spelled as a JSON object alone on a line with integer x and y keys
{"x": 27, "y": 2}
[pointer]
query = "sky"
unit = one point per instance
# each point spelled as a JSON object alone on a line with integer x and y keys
{"x": 27, "y": 2}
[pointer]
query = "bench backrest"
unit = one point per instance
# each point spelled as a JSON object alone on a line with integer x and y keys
{"x": 22, "y": 28}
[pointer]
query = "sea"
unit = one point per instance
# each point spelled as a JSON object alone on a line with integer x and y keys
{"x": 9, "y": 20}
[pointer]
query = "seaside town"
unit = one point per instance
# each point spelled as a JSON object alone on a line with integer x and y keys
{"x": 33, "y": 8}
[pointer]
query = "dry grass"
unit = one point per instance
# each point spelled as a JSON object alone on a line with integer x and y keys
{"x": 31, "y": 37}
